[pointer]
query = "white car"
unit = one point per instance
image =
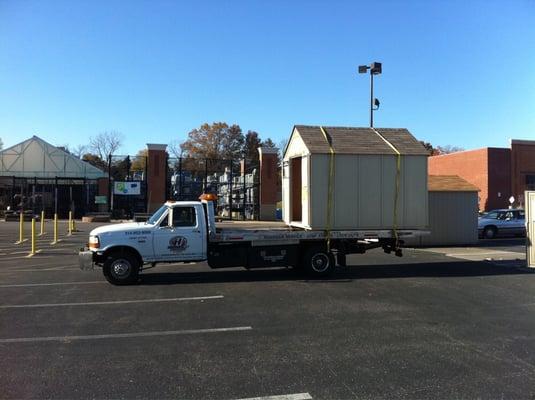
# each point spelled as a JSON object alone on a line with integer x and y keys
{"x": 502, "y": 222}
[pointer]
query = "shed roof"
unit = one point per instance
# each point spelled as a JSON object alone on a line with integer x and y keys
{"x": 449, "y": 183}
{"x": 353, "y": 140}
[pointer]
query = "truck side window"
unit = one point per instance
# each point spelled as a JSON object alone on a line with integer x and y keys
{"x": 165, "y": 221}
{"x": 184, "y": 216}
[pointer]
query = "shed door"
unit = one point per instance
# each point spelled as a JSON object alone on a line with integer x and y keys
{"x": 295, "y": 188}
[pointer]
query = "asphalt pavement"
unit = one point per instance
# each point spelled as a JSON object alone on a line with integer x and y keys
{"x": 426, "y": 325}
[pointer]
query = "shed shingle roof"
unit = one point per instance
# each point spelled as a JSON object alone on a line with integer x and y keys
{"x": 348, "y": 140}
{"x": 449, "y": 183}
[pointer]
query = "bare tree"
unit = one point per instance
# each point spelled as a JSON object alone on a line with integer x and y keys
{"x": 448, "y": 149}
{"x": 79, "y": 150}
{"x": 174, "y": 149}
{"x": 105, "y": 143}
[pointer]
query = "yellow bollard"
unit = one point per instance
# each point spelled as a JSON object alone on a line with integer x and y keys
{"x": 55, "y": 229}
{"x": 70, "y": 223}
{"x": 42, "y": 232}
{"x": 33, "y": 237}
{"x": 21, "y": 229}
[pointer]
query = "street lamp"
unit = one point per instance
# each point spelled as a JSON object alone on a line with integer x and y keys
{"x": 375, "y": 68}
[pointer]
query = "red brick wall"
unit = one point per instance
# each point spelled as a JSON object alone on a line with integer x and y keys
{"x": 156, "y": 176}
{"x": 269, "y": 178}
{"x": 470, "y": 165}
{"x": 489, "y": 169}
{"x": 522, "y": 164}
{"x": 499, "y": 178}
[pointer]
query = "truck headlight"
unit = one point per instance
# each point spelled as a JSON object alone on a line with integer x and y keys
{"x": 94, "y": 243}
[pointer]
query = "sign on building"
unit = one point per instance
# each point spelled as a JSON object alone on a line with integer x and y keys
{"x": 127, "y": 188}
{"x": 101, "y": 200}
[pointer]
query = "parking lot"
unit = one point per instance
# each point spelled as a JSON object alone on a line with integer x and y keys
{"x": 433, "y": 324}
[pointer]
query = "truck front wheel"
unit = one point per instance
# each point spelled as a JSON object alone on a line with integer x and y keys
{"x": 318, "y": 262}
{"x": 121, "y": 268}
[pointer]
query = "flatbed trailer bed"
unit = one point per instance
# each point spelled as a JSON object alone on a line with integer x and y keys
{"x": 253, "y": 231}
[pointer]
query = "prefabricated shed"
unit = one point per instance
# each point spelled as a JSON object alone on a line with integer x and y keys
{"x": 354, "y": 178}
{"x": 453, "y": 212}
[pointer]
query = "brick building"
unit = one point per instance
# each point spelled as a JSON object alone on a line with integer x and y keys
{"x": 499, "y": 173}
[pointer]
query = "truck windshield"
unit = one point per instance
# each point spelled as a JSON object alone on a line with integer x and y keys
{"x": 156, "y": 216}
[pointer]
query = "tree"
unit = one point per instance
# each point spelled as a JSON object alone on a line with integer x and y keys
{"x": 214, "y": 141}
{"x": 79, "y": 150}
{"x": 435, "y": 151}
{"x": 270, "y": 144}
{"x": 1, "y": 144}
{"x": 140, "y": 161}
{"x": 105, "y": 143}
{"x": 251, "y": 145}
{"x": 448, "y": 149}
{"x": 282, "y": 146}
{"x": 96, "y": 161}
{"x": 233, "y": 142}
{"x": 174, "y": 149}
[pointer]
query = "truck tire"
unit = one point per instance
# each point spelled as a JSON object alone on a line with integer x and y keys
{"x": 121, "y": 268}
{"x": 318, "y": 262}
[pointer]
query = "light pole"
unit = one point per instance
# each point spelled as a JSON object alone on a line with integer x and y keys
{"x": 375, "y": 69}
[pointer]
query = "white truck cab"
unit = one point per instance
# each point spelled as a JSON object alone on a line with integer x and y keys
{"x": 176, "y": 232}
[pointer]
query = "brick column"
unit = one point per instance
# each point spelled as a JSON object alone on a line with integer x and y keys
{"x": 156, "y": 175}
{"x": 268, "y": 183}
{"x": 103, "y": 191}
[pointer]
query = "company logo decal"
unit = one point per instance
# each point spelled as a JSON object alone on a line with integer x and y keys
{"x": 178, "y": 243}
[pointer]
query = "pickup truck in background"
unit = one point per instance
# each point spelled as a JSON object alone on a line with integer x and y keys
{"x": 186, "y": 231}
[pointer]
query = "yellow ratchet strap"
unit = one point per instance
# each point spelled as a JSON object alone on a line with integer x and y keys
{"x": 329, "y": 189}
{"x": 396, "y": 194}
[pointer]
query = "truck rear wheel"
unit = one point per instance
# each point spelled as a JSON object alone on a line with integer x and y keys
{"x": 318, "y": 262}
{"x": 121, "y": 268}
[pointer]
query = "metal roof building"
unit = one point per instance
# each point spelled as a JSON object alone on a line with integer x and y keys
{"x": 35, "y": 158}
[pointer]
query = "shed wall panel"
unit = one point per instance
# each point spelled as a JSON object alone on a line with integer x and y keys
{"x": 452, "y": 220}
{"x": 364, "y": 190}
{"x": 368, "y": 194}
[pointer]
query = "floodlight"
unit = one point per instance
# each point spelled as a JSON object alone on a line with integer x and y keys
{"x": 376, "y": 68}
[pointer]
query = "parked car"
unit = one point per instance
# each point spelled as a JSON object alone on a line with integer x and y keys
{"x": 503, "y": 222}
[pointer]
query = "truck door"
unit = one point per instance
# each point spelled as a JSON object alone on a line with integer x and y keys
{"x": 183, "y": 239}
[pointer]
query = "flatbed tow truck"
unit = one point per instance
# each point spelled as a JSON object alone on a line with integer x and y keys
{"x": 186, "y": 231}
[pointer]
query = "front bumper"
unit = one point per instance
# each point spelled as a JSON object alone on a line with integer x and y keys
{"x": 85, "y": 260}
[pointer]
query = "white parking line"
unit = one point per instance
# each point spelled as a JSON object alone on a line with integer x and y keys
{"x": 126, "y": 335}
{"x": 51, "y": 284}
{"x": 12, "y": 270}
{"x": 296, "y": 396}
{"x": 100, "y": 303}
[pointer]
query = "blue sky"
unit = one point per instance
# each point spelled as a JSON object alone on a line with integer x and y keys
{"x": 459, "y": 73}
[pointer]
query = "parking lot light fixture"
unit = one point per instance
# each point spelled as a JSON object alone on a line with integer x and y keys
{"x": 375, "y": 68}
